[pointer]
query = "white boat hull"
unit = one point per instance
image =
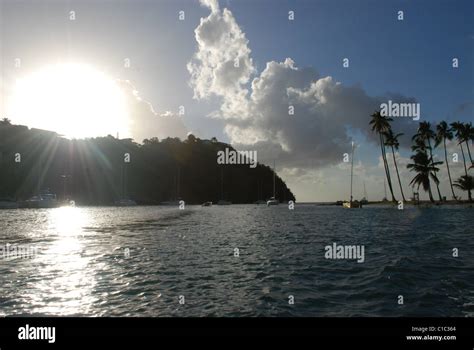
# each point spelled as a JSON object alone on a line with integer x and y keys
{"x": 44, "y": 200}
{"x": 351, "y": 205}
{"x": 42, "y": 204}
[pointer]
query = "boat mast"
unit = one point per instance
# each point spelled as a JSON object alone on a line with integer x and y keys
{"x": 123, "y": 181}
{"x": 352, "y": 167}
{"x": 178, "y": 182}
{"x": 273, "y": 179}
{"x": 40, "y": 178}
{"x": 65, "y": 177}
{"x": 222, "y": 183}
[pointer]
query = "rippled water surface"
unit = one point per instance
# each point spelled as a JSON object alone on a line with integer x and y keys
{"x": 138, "y": 261}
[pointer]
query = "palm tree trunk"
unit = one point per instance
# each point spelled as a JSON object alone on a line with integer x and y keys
{"x": 430, "y": 194}
{"x": 432, "y": 163}
{"x": 464, "y": 158}
{"x": 383, "y": 155}
{"x": 469, "y": 152}
{"x": 465, "y": 170}
{"x": 387, "y": 169}
{"x": 447, "y": 166}
{"x": 398, "y": 174}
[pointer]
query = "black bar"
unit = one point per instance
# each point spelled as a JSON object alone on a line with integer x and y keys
{"x": 382, "y": 331}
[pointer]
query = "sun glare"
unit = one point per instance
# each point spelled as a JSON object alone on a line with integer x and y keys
{"x": 75, "y": 100}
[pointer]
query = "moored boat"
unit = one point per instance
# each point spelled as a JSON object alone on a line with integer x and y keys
{"x": 273, "y": 200}
{"x": 8, "y": 203}
{"x": 45, "y": 199}
{"x": 174, "y": 203}
{"x": 352, "y": 204}
{"x": 125, "y": 202}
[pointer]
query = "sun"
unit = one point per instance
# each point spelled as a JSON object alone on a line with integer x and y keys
{"x": 74, "y": 100}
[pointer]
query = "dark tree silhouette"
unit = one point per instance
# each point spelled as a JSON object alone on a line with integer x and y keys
{"x": 425, "y": 169}
{"x": 443, "y": 133}
{"x": 391, "y": 141}
{"x": 425, "y": 134}
{"x": 466, "y": 183}
{"x": 5, "y": 121}
{"x": 97, "y": 171}
{"x": 381, "y": 125}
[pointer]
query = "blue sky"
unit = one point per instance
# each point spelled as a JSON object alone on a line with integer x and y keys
{"x": 410, "y": 57}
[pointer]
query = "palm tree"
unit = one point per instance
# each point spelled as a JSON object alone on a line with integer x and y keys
{"x": 444, "y": 132}
{"x": 5, "y": 122}
{"x": 466, "y": 183}
{"x": 419, "y": 145}
{"x": 391, "y": 140}
{"x": 425, "y": 169}
{"x": 460, "y": 133}
{"x": 381, "y": 124}
{"x": 471, "y": 132}
{"x": 425, "y": 134}
{"x": 468, "y": 135}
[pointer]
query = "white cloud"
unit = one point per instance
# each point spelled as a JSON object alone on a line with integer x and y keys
{"x": 222, "y": 65}
{"x": 255, "y": 108}
{"x": 145, "y": 122}
{"x": 212, "y": 4}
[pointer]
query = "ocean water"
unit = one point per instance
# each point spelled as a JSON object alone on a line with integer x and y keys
{"x": 239, "y": 260}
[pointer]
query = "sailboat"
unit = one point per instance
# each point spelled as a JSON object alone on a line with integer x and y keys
{"x": 66, "y": 201}
{"x": 364, "y": 200}
{"x": 177, "y": 181}
{"x": 352, "y": 204}
{"x": 124, "y": 201}
{"x": 45, "y": 199}
{"x": 273, "y": 200}
{"x": 223, "y": 201}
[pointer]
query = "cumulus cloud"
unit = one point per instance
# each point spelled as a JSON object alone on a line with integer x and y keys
{"x": 222, "y": 65}
{"x": 256, "y": 107}
{"x": 145, "y": 122}
{"x": 212, "y": 4}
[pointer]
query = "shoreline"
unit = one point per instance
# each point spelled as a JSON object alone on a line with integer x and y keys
{"x": 422, "y": 204}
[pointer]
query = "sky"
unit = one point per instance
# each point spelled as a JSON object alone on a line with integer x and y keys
{"x": 232, "y": 68}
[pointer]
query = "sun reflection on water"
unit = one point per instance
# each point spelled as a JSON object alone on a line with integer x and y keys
{"x": 65, "y": 281}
